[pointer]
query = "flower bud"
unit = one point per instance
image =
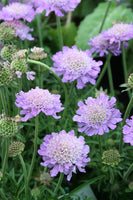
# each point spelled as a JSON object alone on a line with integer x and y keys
{"x": 1, "y": 175}
{"x": 7, "y": 51}
{"x": 37, "y": 53}
{"x": 16, "y": 148}
{"x": 20, "y": 54}
{"x": 111, "y": 157}
{"x": 130, "y": 81}
{"x": 7, "y": 32}
{"x": 19, "y": 65}
{"x": 8, "y": 126}
{"x": 6, "y": 74}
{"x": 35, "y": 192}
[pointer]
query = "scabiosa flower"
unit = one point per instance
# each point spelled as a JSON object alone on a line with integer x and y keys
{"x": 111, "y": 157}
{"x": 76, "y": 64}
{"x": 17, "y": 11}
{"x": 97, "y": 115}
{"x": 58, "y": 6}
{"x": 38, "y": 100}
{"x": 21, "y": 29}
{"x": 7, "y": 32}
{"x": 64, "y": 152}
{"x": 30, "y": 75}
{"x": 37, "y": 53}
{"x": 128, "y": 131}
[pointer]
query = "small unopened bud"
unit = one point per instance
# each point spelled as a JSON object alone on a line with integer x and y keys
{"x": 130, "y": 185}
{"x": 7, "y": 32}
{"x": 7, "y": 51}
{"x": 35, "y": 192}
{"x": 111, "y": 157}
{"x": 98, "y": 92}
{"x": 37, "y": 53}
{"x": 1, "y": 175}
{"x": 20, "y": 54}
{"x": 45, "y": 178}
{"x": 19, "y": 65}
{"x": 6, "y": 74}
{"x": 130, "y": 81}
{"x": 110, "y": 142}
{"x": 8, "y": 126}
{"x": 16, "y": 148}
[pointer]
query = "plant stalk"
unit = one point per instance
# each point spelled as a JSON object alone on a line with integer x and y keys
{"x": 59, "y": 183}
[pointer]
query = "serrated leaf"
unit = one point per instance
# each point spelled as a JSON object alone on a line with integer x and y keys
{"x": 89, "y": 27}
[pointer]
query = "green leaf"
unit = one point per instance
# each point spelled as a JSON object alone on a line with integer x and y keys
{"x": 89, "y": 27}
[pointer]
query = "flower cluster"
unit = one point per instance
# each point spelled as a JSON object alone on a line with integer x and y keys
{"x": 97, "y": 115}
{"x": 128, "y": 131}
{"x": 38, "y": 100}
{"x": 64, "y": 152}
{"x": 58, "y": 6}
{"x": 17, "y": 11}
{"x": 111, "y": 40}
{"x": 76, "y": 64}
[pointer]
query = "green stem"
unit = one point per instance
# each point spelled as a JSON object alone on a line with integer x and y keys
{"x": 111, "y": 175}
{"x": 25, "y": 176}
{"x": 3, "y": 100}
{"x": 2, "y": 194}
{"x": 35, "y": 149}
{"x": 59, "y": 183}
{"x": 105, "y": 16}
{"x": 100, "y": 77}
{"x": 6, "y": 156}
{"x": 57, "y": 77}
{"x": 130, "y": 169}
{"x": 100, "y": 144}
{"x": 126, "y": 115}
{"x": 125, "y": 67}
{"x": 110, "y": 78}
{"x": 60, "y": 37}
{"x": 38, "y": 20}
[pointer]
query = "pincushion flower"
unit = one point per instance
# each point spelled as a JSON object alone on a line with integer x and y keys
{"x": 38, "y": 100}
{"x": 17, "y": 11}
{"x": 64, "y": 152}
{"x": 128, "y": 131}
{"x": 58, "y": 6}
{"x": 76, "y": 64}
{"x": 21, "y": 29}
{"x": 97, "y": 115}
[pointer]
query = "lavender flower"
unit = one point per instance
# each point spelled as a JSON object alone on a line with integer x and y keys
{"x": 76, "y": 64}
{"x": 38, "y": 100}
{"x": 110, "y": 40}
{"x": 30, "y": 75}
{"x": 64, "y": 152}
{"x": 17, "y": 11}
{"x": 128, "y": 131}
{"x": 58, "y": 6}
{"x": 22, "y": 30}
{"x": 97, "y": 115}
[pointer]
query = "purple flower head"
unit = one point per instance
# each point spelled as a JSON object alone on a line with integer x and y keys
{"x": 38, "y": 100}
{"x": 64, "y": 152}
{"x": 30, "y": 75}
{"x": 97, "y": 115}
{"x": 76, "y": 64}
{"x": 18, "y": 73}
{"x": 128, "y": 131}
{"x": 22, "y": 30}
{"x": 17, "y": 11}
{"x": 58, "y": 6}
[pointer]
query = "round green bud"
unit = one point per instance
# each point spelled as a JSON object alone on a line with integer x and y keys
{"x": 35, "y": 192}
{"x": 8, "y": 126}
{"x": 111, "y": 157}
{"x": 130, "y": 81}
{"x": 6, "y": 74}
{"x": 45, "y": 178}
{"x": 19, "y": 65}
{"x": 7, "y": 32}
{"x": 130, "y": 185}
{"x": 16, "y": 148}
{"x": 110, "y": 142}
{"x": 7, "y": 51}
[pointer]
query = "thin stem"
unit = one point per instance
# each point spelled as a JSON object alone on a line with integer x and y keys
{"x": 110, "y": 78}
{"x": 35, "y": 149}
{"x": 125, "y": 66}
{"x": 100, "y": 144}
{"x": 128, "y": 172}
{"x": 59, "y": 183}
{"x": 3, "y": 100}
{"x": 60, "y": 37}
{"x": 105, "y": 16}
{"x": 126, "y": 115}
{"x": 57, "y": 77}
{"x": 25, "y": 176}
{"x": 100, "y": 77}
{"x": 69, "y": 18}
{"x": 111, "y": 175}
{"x": 6, "y": 156}
{"x": 38, "y": 20}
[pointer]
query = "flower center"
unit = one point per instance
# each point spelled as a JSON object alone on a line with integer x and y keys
{"x": 64, "y": 149}
{"x": 96, "y": 113}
